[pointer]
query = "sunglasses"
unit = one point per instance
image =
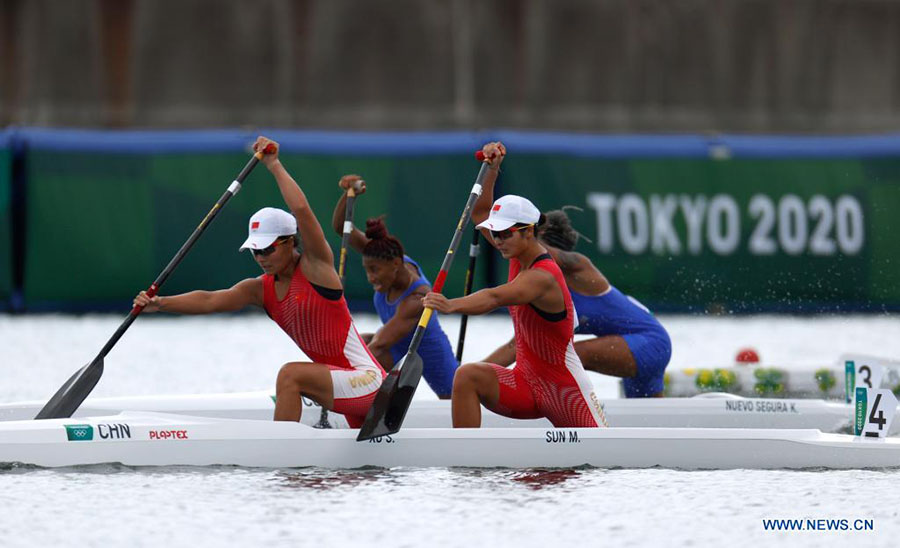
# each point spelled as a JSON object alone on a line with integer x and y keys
{"x": 504, "y": 234}
{"x": 269, "y": 250}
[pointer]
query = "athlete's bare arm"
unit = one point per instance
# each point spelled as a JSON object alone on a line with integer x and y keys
{"x": 581, "y": 274}
{"x": 317, "y": 257}
{"x": 505, "y": 355}
{"x": 402, "y": 324}
{"x": 494, "y": 153}
{"x": 358, "y": 238}
{"x": 568, "y": 261}
{"x": 530, "y": 286}
{"x": 240, "y": 295}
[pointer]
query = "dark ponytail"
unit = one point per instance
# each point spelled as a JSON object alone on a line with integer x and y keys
{"x": 556, "y": 229}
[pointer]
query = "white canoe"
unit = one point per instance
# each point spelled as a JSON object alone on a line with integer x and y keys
{"x": 707, "y": 411}
{"x": 137, "y": 438}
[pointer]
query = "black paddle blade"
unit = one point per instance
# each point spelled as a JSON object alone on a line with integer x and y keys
{"x": 70, "y": 395}
{"x": 392, "y": 401}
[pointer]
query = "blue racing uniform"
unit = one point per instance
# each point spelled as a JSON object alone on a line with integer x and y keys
{"x": 438, "y": 362}
{"x": 614, "y": 313}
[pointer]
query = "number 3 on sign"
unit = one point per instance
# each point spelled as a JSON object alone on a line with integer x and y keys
{"x": 862, "y": 371}
{"x": 874, "y": 412}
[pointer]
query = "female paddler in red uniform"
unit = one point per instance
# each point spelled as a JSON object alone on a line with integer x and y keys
{"x": 548, "y": 379}
{"x": 301, "y": 291}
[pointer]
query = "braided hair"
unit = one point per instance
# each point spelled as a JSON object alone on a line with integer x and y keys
{"x": 381, "y": 245}
{"x": 558, "y": 231}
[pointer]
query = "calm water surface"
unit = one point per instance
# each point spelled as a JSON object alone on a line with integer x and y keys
{"x": 175, "y": 506}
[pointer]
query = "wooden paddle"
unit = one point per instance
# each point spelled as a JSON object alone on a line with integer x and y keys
{"x": 470, "y": 274}
{"x": 342, "y": 263}
{"x": 392, "y": 401}
{"x": 76, "y": 389}
{"x": 348, "y": 229}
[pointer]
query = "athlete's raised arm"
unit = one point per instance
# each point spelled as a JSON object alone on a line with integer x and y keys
{"x": 240, "y": 295}
{"x": 527, "y": 287}
{"x": 358, "y": 238}
{"x": 494, "y": 154}
{"x": 316, "y": 251}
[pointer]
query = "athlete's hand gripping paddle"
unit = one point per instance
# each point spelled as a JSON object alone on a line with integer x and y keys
{"x": 76, "y": 389}
{"x": 392, "y": 401}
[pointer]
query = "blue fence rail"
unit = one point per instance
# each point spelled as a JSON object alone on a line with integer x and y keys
{"x": 340, "y": 143}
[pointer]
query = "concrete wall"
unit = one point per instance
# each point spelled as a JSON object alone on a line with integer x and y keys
{"x": 817, "y": 66}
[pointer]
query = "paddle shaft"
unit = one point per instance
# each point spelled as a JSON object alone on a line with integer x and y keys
{"x": 345, "y": 236}
{"x": 448, "y": 258}
{"x": 164, "y": 275}
{"x": 342, "y": 272}
{"x": 395, "y": 395}
{"x": 70, "y": 396}
{"x": 470, "y": 275}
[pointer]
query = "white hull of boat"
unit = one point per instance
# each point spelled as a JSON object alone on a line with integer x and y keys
{"x": 708, "y": 411}
{"x": 161, "y": 439}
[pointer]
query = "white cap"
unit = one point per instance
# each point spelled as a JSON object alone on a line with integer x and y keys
{"x": 266, "y": 226}
{"x": 509, "y": 210}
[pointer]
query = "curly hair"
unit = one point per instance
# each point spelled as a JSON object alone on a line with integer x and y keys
{"x": 381, "y": 245}
{"x": 558, "y": 231}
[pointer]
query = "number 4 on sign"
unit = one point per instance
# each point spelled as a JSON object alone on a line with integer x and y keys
{"x": 875, "y": 410}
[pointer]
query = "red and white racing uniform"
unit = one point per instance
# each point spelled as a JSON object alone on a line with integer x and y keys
{"x": 318, "y": 321}
{"x": 548, "y": 379}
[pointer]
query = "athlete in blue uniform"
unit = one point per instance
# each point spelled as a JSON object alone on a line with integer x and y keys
{"x": 399, "y": 286}
{"x": 629, "y": 341}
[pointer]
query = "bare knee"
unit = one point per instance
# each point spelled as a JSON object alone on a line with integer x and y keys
{"x": 465, "y": 376}
{"x": 289, "y": 376}
{"x": 472, "y": 377}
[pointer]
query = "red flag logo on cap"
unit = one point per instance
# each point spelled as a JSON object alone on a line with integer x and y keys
{"x": 254, "y": 225}
{"x": 496, "y": 208}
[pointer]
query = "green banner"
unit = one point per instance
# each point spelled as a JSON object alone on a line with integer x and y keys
{"x": 6, "y": 258}
{"x": 721, "y": 235}
{"x": 678, "y": 234}
{"x": 101, "y": 229}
